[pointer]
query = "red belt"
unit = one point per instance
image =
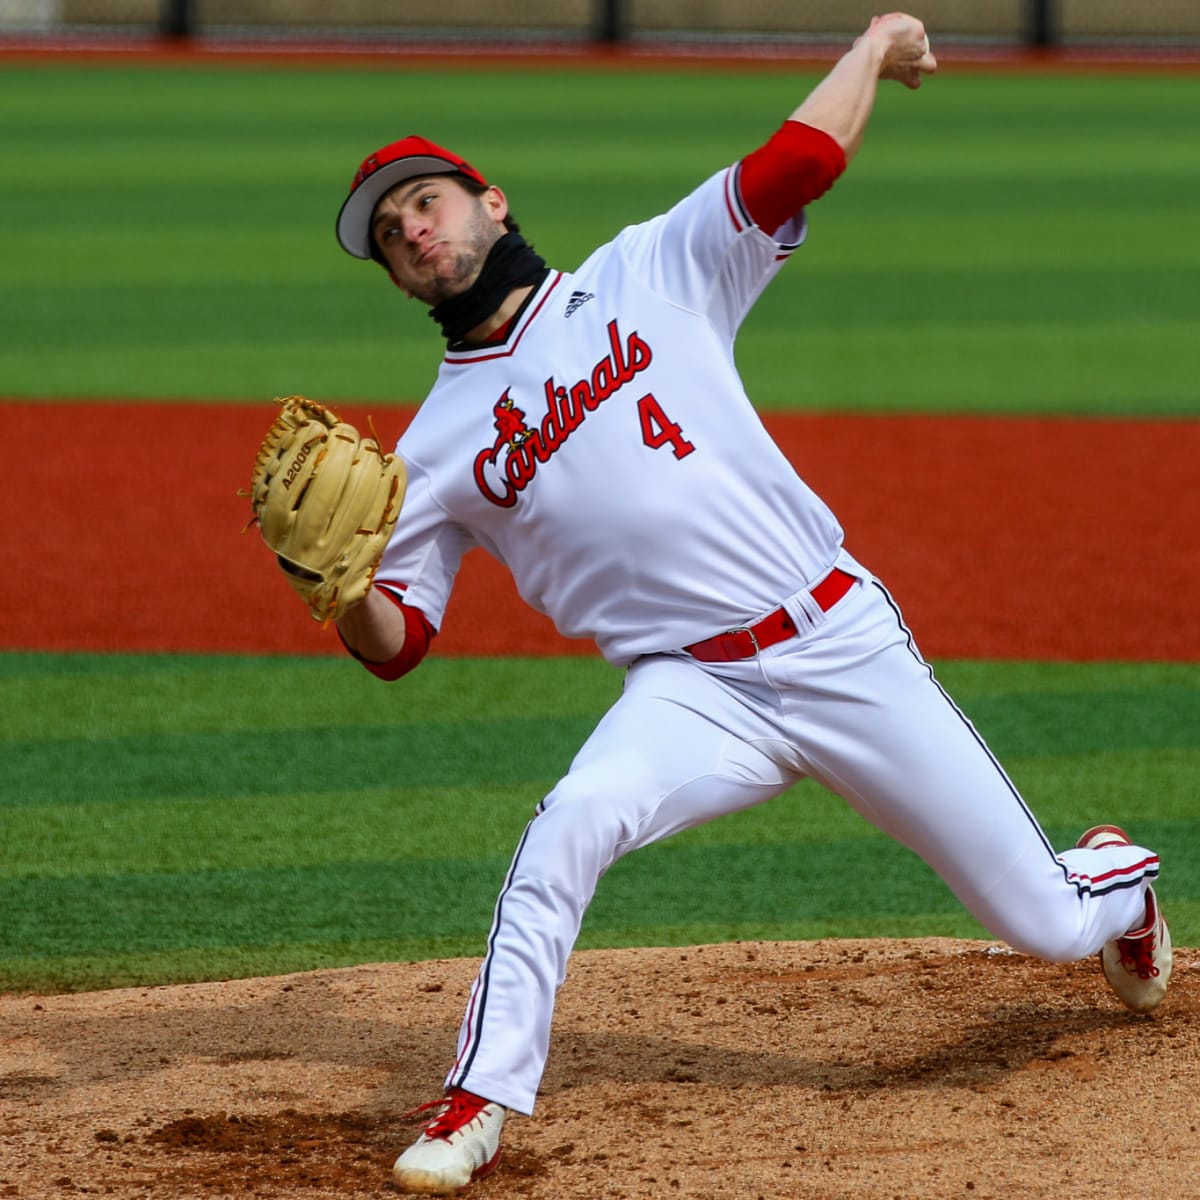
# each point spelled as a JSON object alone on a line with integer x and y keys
{"x": 747, "y": 641}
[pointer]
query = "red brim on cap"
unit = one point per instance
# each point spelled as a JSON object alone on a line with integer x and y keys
{"x": 409, "y": 158}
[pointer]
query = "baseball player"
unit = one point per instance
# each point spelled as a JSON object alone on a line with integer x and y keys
{"x": 590, "y": 431}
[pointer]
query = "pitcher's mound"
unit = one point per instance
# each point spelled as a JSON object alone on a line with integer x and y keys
{"x": 870, "y": 1070}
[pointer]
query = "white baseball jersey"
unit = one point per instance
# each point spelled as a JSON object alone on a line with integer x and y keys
{"x": 606, "y": 451}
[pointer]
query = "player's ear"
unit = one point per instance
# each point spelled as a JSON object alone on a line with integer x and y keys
{"x": 496, "y": 203}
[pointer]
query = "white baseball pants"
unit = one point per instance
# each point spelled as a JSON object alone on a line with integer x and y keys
{"x": 849, "y": 703}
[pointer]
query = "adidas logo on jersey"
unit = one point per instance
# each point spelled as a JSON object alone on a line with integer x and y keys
{"x": 577, "y": 300}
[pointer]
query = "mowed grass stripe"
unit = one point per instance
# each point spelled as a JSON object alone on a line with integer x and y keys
{"x": 246, "y": 850}
{"x": 451, "y": 897}
{"x": 282, "y": 762}
{"x": 975, "y": 324}
{"x": 1137, "y": 366}
{"x": 85, "y": 696}
{"x": 1065, "y": 296}
{"x": 1038, "y": 270}
{"x": 245, "y": 749}
{"x": 136, "y": 928}
{"x": 398, "y": 825}
{"x": 998, "y": 367}
{"x": 352, "y": 824}
{"x": 51, "y": 697}
{"x": 266, "y": 906}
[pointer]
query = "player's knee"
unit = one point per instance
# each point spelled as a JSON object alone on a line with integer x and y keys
{"x": 1047, "y": 936}
{"x": 1049, "y": 949}
{"x": 586, "y": 823}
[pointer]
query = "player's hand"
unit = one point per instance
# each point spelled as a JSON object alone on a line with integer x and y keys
{"x": 903, "y": 48}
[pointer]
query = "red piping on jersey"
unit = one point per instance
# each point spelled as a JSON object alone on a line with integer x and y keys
{"x": 468, "y": 1043}
{"x": 741, "y": 220}
{"x": 499, "y": 336}
{"x": 733, "y": 202}
{"x": 797, "y": 165}
{"x": 471, "y": 355}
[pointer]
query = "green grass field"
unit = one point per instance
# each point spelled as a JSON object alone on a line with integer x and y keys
{"x": 1005, "y": 243}
{"x": 1028, "y": 239}
{"x": 171, "y": 817}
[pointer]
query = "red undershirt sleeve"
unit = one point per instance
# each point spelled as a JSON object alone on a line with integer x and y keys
{"x": 797, "y": 165}
{"x": 418, "y": 633}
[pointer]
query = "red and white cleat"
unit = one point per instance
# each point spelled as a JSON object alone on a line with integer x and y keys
{"x": 460, "y": 1145}
{"x": 1137, "y": 965}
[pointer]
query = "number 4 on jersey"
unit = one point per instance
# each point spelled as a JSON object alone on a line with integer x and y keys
{"x": 659, "y": 430}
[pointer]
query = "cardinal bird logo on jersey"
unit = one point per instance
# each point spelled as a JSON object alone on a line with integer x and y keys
{"x": 567, "y": 407}
{"x": 511, "y": 429}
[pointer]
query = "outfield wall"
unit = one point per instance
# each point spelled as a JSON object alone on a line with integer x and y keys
{"x": 1006, "y": 21}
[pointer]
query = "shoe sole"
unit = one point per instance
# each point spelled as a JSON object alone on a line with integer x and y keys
{"x": 428, "y": 1183}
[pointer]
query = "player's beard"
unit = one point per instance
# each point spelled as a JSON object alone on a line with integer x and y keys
{"x": 456, "y": 274}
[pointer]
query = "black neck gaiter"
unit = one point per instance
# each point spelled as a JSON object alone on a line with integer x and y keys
{"x": 511, "y": 263}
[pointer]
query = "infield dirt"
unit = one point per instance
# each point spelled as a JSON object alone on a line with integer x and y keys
{"x": 1028, "y": 538}
{"x": 830, "y": 1070}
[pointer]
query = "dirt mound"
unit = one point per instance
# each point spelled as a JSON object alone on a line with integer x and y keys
{"x": 867, "y": 1069}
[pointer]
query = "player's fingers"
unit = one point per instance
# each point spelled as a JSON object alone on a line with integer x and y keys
{"x": 918, "y": 60}
{"x": 927, "y": 63}
{"x": 909, "y": 74}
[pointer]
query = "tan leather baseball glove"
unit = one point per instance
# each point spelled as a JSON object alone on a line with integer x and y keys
{"x": 326, "y": 500}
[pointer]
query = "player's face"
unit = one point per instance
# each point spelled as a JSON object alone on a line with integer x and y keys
{"x": 434, "y": 235}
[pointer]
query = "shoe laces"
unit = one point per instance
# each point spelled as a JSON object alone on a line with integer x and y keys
{"x": 1137, "y": 955}
{"x": 1137, "y": 951}
{"x": 457, "y": 1109}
